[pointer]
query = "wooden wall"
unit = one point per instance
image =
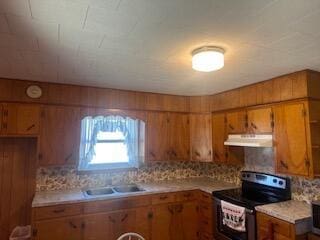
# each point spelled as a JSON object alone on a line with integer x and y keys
{"x": 291, "y": 86}
{"x": 17, "y": 182}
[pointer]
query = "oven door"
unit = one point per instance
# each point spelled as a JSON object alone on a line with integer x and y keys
{"x": 223, "y": 232}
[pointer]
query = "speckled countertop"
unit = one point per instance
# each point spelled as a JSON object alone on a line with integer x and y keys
{"x": 295, "y": 212}
{"x": 49, "y": 198}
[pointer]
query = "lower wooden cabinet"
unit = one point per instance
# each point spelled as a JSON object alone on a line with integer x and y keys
{"x": 69, "y": 228}
{"x": 177, "y": 219}
{"x": 270, "y": 228}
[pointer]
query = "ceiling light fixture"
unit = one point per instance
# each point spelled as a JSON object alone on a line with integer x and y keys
{"x": 208, "y": 59}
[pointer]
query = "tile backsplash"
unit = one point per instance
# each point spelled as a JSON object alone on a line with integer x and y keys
{"x": 256, "y": 159}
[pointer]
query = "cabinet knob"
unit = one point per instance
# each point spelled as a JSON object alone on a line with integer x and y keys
{"x": 30, "y": 127}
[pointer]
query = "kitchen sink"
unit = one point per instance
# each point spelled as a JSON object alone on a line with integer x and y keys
{"x": 99, "y": 191}
{"x": 131, "y": 188}
{"x": 128, "y": 188}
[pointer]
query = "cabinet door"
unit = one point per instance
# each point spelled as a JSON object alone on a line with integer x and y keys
{"x": 62, "y": 229}
{"x": 201, "y": 137}
{"x": 218, "y": 137}
{"x": 156, "y": 136}
{"x": 236, "y": 122}
{"x": 188, "y": 215}
{"x": 290, "y": 139}
{"x": 178, "y": 136}
{"x": 164, "y": 226}
{"x": 260, "y": 120}
{"x": 59, "y": 135}
{"x": 96, "y": 226}
{"x": 21, "y": 119}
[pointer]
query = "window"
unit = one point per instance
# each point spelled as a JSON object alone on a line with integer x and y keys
{"x": 111, "y": 142}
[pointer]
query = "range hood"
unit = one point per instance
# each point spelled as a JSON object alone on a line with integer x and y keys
{"x": 249, "y": 140}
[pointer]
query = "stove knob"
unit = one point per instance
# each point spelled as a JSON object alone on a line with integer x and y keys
{"x": 280, "y": 183}
{"x": 275, "y": 180}
{"x": 243, "y": 175}
{"x": 248, "y": 175}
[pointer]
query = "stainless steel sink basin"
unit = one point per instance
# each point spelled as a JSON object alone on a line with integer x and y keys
{"x": 99, "y": 191}
{"x": 95, "y": 192}
{"x": 128, "y": 188}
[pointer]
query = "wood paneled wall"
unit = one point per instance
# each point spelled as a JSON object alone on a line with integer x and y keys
{"x": 17, "y": 182}
{"x": 291, "y": 86}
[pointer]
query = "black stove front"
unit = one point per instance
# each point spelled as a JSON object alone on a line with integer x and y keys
{"x": 257, "y": 189}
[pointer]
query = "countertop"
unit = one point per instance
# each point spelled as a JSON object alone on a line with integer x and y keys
{"x": 49, "y": 198}
{"x": 295, "y": 212}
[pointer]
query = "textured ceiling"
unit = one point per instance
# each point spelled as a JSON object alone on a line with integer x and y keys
{"x": 145, "y": 44}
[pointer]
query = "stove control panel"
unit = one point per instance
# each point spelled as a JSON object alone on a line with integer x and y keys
{"x": 264, "y": 179}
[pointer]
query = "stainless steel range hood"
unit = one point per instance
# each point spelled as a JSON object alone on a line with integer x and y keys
{"x": 249, "y": 140}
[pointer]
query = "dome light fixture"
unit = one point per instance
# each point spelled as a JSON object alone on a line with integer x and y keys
{"x": 208, "y": 59}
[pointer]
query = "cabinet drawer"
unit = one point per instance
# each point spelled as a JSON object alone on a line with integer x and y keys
{"x": 186, "y": 196}
{"x": 279, "y": 227}
{"x": 163, "y": 198}
{"x": 57, "y": 211}
{"x": 112, "y": 205}
{"x": 206, "y": 225}
{"x": 205, "y": 197}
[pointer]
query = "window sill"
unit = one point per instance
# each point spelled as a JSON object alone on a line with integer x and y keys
{"x": 111, "y": 170}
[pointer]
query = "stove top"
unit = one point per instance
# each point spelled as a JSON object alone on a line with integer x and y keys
{"x": 257, "y": 189}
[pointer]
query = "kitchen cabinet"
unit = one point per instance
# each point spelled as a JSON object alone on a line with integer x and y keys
{"x": 59, "y": 135}
{"x": 201, "y": 137}
{"x": 260, "y": 120}
{"x": 168, "y": 136}
{"x": 156, "y": 136}
{"x": 236, "y": 122}
{"x": 291, "y": 139}
{"x": 68, "y": 228}
{"x": 205, "y": 216}
{"x": 19, "y": 119}
{"x": 175, "y": 221}
{"x": 114, "y": 224}
{"x": 222, "y": 153}
{"x": 270, "y": 228}
{"x": 178, "y": 136}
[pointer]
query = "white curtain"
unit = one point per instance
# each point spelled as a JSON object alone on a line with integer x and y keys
{"x": 91, "y": 126}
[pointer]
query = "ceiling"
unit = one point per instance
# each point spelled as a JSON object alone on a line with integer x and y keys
{"x": 145, "y": 45}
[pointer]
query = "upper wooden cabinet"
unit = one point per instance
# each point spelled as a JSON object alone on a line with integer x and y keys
{"x": 297, "y": 138}
{"x": 156, "y": 131}
{"x": 219, "y": 135}
{"x": 19, "y": 119}
{"x": 201, "y": 137}
{"x": 167, "y": 136}
{"x": 236, "y": 122}
{"x": 59, "y": 135}
{"x": 260, "y": 120}
{"x": 178, "y": 136}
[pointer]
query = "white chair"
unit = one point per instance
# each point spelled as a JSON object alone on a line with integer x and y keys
{"x": 131, "y": 236}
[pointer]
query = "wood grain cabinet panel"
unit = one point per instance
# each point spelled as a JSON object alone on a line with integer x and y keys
{"x": 260, "y": 120}
{"x": 20, "y": 119}
{"x": 178, "y": 137}
{"x": 69, "y": 228}
{"x": 59, "y": 135}
{"x": 157, "y": 127}
{"x": 201, "y": 137}
{"x": 236, "y": 122}
{"x": 291, "y": 139}
{"x": 219, "y": 135}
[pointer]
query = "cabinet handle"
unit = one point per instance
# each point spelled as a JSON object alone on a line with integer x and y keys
{"x": 170, "y": 209}
{"x": 4, "y": 125}
{"x": 112, "y": 220}
{"x": 6, "y": 113}
{"x": 254, "y": 126}
{"x": 124, "y": 217}
{"x": 174, "y": 153}
{"x": 152, "y": 154}
{"x": 68, "y": 157}
{"x": 216, "y": 155}
{"x": 283, "y": 164}
{"x": 72, "y": 225}
{"x": 30, "y": 127}
{"x": 197, "y": 153}
{"x": 209, "y": 152}
{"x": 58, "y": 210}
{"x": 83, "y": 225}
{"x": 163, "y": 197}
{"x": 179, "y": 208}
{"x": 231, "y": 127}
{"x": 150, "y": 215}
